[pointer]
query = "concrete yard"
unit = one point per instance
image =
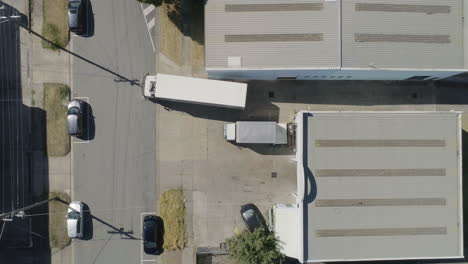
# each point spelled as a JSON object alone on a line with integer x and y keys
{"x": 217, "y": 176}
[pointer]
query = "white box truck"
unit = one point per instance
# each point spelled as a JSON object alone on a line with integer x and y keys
{"x": 196, "y": 90}
{"x": 256, "y": 132}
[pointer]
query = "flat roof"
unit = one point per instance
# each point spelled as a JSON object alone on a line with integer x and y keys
{"x": 319, "y": 34}
{"x": 380, "y": 185}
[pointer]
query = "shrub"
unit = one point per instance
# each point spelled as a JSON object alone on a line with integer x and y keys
{"x": 258, "y": 247}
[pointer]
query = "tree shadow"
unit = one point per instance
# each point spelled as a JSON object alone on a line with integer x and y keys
{"x": 188, "y": 16}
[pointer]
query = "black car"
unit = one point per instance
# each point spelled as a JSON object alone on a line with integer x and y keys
{"x": 152, "y": 235}
{"x": 253, "y": 218}
{"x": 77, "y": 16}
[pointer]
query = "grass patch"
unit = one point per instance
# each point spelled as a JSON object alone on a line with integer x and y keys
{"x": 172, "y": 211}
{"x": 198, "y": 36}
{"x": 55, "y": 23}
{"x": 56, "y": 97}
{"x": 171, "y": 36}
{"x": 58, "y": 237}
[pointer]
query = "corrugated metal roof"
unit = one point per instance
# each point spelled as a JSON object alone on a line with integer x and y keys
{"x": 420, "y": 34}
{"x": 387, "y": 186}
{"x": 271, "y": 34}
{"x": 308, "y": 34}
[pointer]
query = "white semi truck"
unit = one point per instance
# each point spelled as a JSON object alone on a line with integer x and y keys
{"x": 256, "y": 132}
{"x": 196, "y": 90}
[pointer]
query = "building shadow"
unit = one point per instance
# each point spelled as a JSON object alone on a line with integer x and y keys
{"x": 23, "y": 156}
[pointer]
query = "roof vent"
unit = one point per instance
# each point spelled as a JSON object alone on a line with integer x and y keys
{"x": 234, "y": 62}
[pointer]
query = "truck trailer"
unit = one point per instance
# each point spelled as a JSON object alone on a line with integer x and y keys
{"x": 195, "y": 90}
{"x": 256, "y": 132}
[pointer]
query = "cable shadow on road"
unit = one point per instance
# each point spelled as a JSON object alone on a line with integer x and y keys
{"x": 120, "y": 77}
{"x": 116, "y": 230}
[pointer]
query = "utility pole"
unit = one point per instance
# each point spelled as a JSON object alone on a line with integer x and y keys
{"x": 20, "y": 211}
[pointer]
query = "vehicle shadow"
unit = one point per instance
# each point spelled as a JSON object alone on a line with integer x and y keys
{"x": 160, "y": 222}
{"x": 88, "y": 229}
{"x": 90, "y": 124}
{"x": 89, "y": 20}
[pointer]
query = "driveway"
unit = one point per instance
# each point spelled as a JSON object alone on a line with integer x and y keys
{"x": 114, "y": 166}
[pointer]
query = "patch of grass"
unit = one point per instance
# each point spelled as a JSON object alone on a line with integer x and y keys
{"x": 55, "y": 23}
{"x": 172, "y": 211}
{"x": 171, "y": 37}
{"x": 58, "y": 237}
{"x": 55, "y": 99}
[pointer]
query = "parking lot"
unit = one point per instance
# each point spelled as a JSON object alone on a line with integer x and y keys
{"x": 217, "y": 176}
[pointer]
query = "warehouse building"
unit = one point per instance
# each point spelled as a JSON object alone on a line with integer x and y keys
{"x": 335, "y": 39}
{"x": 375, "y": 186}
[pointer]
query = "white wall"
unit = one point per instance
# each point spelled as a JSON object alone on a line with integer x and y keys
{"x": 327, "y": 74}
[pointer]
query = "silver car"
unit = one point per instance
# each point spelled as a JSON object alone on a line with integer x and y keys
{"x": 76, "y": 15}
{"x": 75, "y": 118}
{"x": 75, "y": 220}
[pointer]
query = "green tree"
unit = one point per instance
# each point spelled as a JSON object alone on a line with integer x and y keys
{"x": 258, "y": 247}
{"x": 154, "y": 2}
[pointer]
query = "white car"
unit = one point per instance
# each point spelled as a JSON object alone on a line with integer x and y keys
{"x": 75, "y": 220}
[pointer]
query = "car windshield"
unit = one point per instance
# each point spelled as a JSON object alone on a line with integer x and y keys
{"x": 248, "y": 214}
{"x": 73, "y": 111}
{"x": 150, "y": 244}
{"x": 73, "y": 4}
{"x": 73, "y": 215}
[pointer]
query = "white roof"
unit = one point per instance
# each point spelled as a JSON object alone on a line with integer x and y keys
{"x": 380, "y": 185}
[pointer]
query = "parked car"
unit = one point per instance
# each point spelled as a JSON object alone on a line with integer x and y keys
{"x": 77, "y": 16}
{"x": 75, "y": 116}
{"x": 152, "y": 235}
{"x": 253, "y": 218}
{"x": 75, "y": 220}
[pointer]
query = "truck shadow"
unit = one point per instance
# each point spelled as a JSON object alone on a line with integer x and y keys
{"x": 258, "y": 108}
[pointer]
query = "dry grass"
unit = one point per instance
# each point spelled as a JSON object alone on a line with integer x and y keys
{"x": 58, "y": 237}
{"x": 198, "y": 36}
{"x": 55, "y": 23}
{"x": 172, "y": 211}
{"x": 56, "y": 97}
{"x": 171, "y": 37}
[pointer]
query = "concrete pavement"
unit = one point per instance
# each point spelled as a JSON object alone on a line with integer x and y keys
{"x": 115, "y": 171}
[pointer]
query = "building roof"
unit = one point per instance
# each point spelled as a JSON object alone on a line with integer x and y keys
{"x": 319, "y": 34}
{"x": 380, "y": 185}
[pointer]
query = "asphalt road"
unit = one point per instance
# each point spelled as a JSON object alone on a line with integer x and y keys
{"x": 114, "y": 172}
